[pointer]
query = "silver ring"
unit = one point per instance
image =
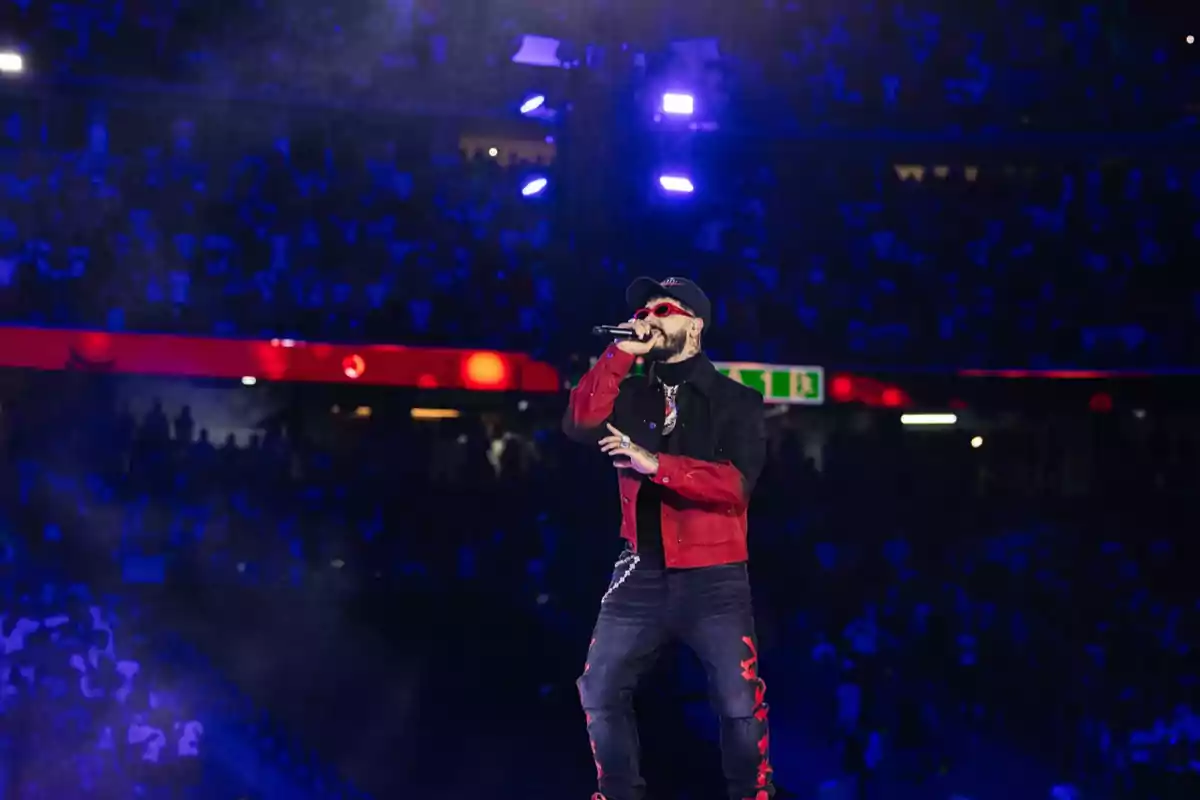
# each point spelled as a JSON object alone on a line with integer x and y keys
{"x": 624, "y": 441}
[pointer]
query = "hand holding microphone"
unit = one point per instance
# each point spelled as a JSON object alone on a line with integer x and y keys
{"x": 636, "y": 337}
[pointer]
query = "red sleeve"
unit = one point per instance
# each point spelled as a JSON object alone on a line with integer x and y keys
{"x": 729, "y": 479}
{"x": 592, "y": 400}
{"x": 718, "y": 482}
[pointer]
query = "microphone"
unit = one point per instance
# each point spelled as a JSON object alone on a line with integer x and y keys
{"x": 613, "y": 332}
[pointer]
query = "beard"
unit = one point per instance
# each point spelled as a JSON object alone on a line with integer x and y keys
{"x": 670, "y": 346}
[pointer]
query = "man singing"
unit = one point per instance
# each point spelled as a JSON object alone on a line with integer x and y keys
{"x": 688, "y": 444}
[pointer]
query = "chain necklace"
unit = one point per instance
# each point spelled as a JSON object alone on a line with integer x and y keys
{"x": 672, "y": 410}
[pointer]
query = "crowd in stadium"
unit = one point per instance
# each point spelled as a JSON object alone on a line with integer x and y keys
{"x": 80, "y": 713}
{"x": 139, "y": 224}
{"x": 87, "y": 717}
{"x": 923, "y": 643}
{"x": 918, "y": 63}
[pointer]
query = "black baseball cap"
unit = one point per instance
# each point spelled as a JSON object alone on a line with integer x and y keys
{"x": 681, "y": 289}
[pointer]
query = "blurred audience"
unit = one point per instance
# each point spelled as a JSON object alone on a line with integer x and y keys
{"x": 1011, "y": 63}
{"x": 1030, "y": 620}
{"x": 221, "y": 230}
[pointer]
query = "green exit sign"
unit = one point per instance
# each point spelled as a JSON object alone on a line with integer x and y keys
{"x": 780, "y": 383}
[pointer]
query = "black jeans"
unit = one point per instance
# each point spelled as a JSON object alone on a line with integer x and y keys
{"x": 707, "y": 609}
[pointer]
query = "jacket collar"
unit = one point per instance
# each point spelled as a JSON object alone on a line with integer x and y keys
{"x": 703, "y": 375}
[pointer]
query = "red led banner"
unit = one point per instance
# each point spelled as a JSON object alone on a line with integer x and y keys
{"x": 274, "y": 360}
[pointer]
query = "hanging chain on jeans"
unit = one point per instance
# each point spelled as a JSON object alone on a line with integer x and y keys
{"x": 626, "y": 564}
{"x": 672, "y": 409}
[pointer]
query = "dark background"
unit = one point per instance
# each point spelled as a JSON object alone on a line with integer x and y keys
{"x": 992, "y": 210}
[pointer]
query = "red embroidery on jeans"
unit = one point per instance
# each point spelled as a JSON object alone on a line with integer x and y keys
{"x": 587, "y": 716}
{"x": 750, "y": 673}
{"x": 599, "y": 770}
{"x": 596, "y": 760}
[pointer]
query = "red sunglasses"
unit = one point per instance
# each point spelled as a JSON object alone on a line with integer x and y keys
{"x": 662, "y": 310}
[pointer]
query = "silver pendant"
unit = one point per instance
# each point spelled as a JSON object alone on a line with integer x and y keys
{"x": 672, "y": 410}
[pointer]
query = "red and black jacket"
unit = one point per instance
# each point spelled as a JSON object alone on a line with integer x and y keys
{"x": 707, "y": 480}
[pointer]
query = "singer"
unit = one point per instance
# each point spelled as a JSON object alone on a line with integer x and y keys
{"x": 688, "y": 445}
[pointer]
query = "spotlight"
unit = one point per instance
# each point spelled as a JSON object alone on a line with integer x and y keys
{"x": 533, "y": 103}
{"x": 976, "y": 442}
{"x": 538, "y": 51}
{"x": 680, "y": 105}
{"x": 11, "y": 62}
{"x": 534, "y": 187}
{"x": 676, "y": 184}
{"x": 493, "y": 152}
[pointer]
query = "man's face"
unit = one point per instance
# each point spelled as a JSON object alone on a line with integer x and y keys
{"x": 674, "y": 327}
